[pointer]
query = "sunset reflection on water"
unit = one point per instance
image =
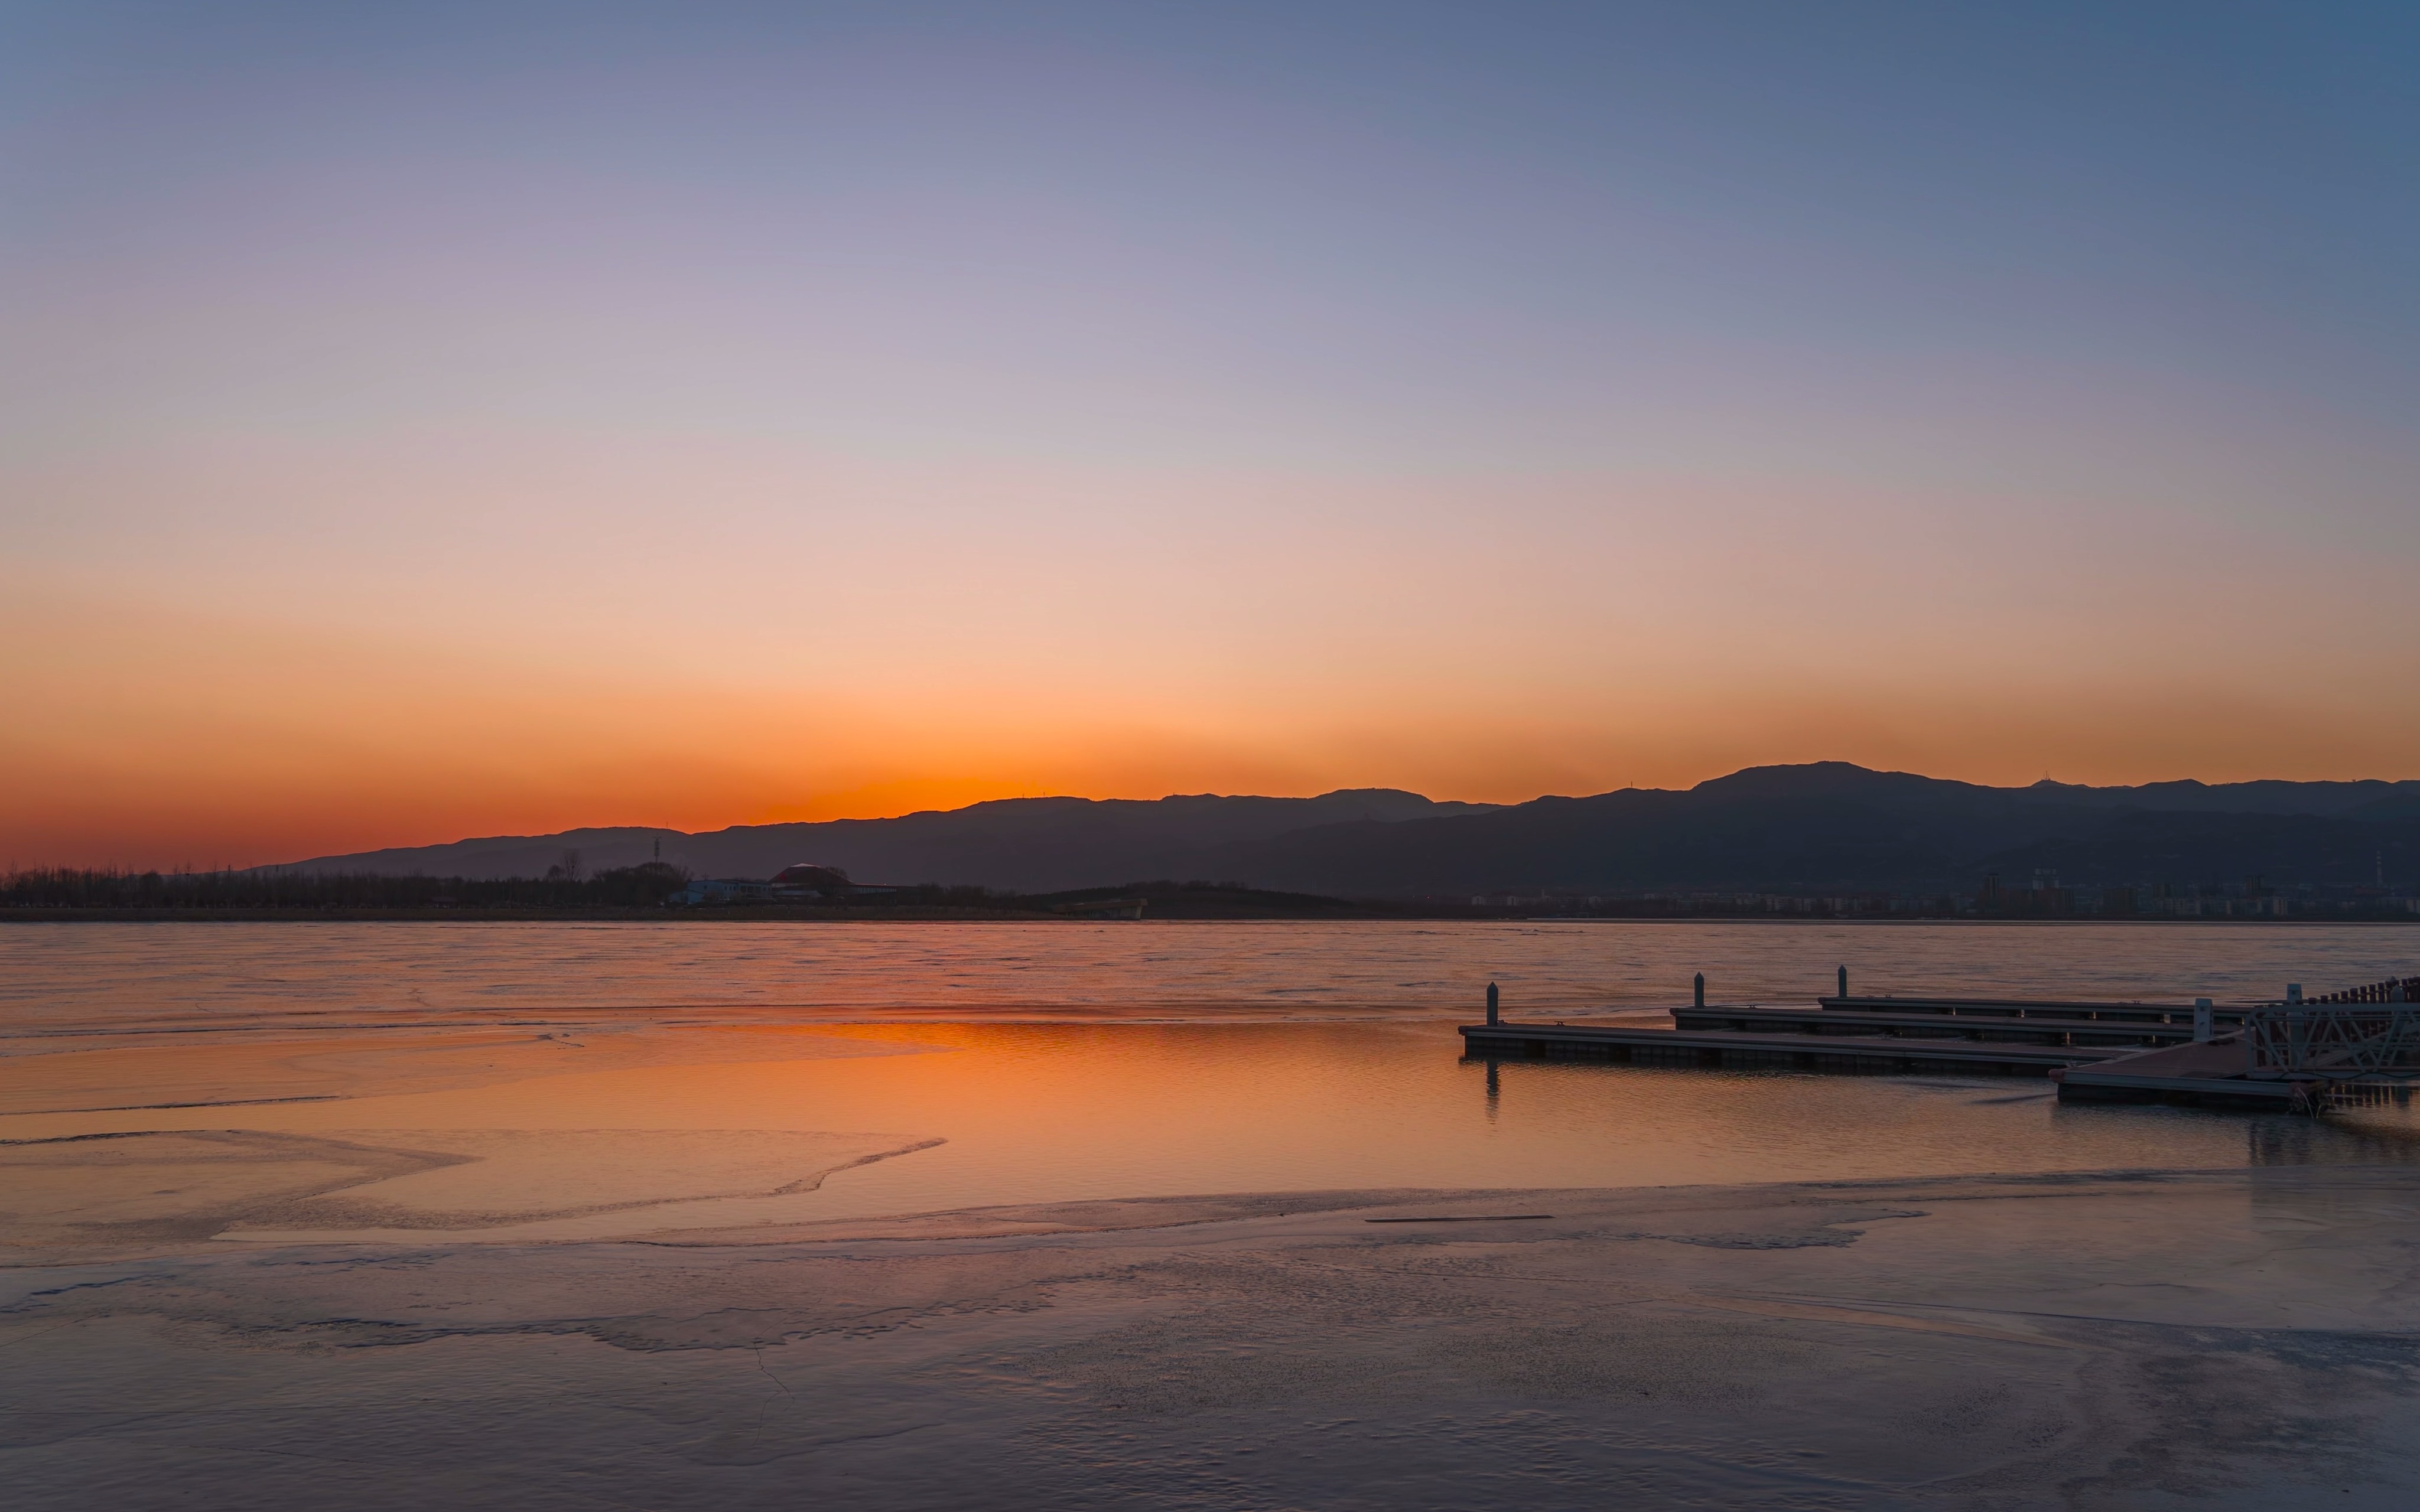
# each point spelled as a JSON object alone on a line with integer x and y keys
{"x": 1173, "y": 1060}
{"x": 1031, "y": 1113}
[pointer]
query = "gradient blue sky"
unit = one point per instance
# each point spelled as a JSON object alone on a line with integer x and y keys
{"x": 425, "y": 419}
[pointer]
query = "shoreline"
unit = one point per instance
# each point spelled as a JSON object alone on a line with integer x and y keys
{"x": 970, "y": 916}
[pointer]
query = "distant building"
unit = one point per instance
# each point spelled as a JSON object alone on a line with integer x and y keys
{"x": 805, "y": 881}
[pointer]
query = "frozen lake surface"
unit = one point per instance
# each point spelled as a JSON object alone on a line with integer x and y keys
{"x": 729, "y": 1215}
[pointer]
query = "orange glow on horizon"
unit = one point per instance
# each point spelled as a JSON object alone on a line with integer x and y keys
{"x": 185, "y": 741}
{"x": 148, "y": 727}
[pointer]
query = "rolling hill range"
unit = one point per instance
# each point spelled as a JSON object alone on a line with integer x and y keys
{"x": 1835, "y": 829}
{"x": 1818, "y": 828}
{"x": 1027, "y": 844}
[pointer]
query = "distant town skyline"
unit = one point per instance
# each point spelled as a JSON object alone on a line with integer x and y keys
{"x": 443, "y": 420}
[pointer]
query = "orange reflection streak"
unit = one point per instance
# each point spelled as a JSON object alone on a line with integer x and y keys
{"x": 1048, "y": 1114}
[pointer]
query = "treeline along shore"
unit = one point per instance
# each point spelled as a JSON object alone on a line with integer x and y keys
{"x": 649, "y": 891}
{"x": 67, "y": 887}
{"x": 656, "y": 890}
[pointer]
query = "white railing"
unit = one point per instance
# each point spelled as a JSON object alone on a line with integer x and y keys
{"x": 2336, "y": 1042}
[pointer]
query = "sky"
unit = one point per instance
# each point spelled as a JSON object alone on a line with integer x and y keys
{"x": 429, "y": 421}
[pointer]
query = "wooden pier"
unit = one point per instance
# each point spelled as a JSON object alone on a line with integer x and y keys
{"x": 2124, "y": 1034}
{"x": 2200, "y": 1054}
{"x": 2052, "y": 1008}
{"x": 1787, "y": 1050}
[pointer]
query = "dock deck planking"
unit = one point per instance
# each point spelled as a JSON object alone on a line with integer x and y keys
{"x": 2131, "y": 1013}
{"x": 2126, "y": 1035}
{"x": 1789, "y": 1051}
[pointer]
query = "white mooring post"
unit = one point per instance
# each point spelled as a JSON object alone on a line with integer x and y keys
{"x": 1491, "y": 1002}
{"x": 2201, "y": 1020}
{"x": 2293, "y": 992}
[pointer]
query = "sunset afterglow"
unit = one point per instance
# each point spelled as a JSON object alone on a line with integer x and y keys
{"x": 426, "y": 422}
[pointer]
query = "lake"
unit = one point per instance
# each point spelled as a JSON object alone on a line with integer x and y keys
{"x": 1006, "y": 1064}
{"x": 148, "y": 975}
{"x": 709, "y": 1215}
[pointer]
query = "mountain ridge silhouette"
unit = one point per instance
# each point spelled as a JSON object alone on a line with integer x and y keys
{"x": 1810, "y": 827}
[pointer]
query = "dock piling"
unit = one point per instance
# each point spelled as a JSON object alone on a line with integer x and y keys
{"x": 1844, "y": 983}
{"x": 1491, "y": 1003}
{"x": 2202, "y": 1013}
{"x": 1701, "y": 988}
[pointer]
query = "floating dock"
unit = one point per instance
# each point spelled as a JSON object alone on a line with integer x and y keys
{"x": 2038, "y": 1008}
{"x": 2214, "y": 1074}
{"x": 2100, "y": 1033}
{"x": 1786, "y": 1050}
{"x": 2298, "y": 1055}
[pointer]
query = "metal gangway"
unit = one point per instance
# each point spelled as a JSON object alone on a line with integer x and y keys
{"x": 2348, "y": 1048}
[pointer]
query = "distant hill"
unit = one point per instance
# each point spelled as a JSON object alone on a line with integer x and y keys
{"x": 1832, "y": 827}
{"x": 1027, "y": 844}
{"x": 1821, "y": 827}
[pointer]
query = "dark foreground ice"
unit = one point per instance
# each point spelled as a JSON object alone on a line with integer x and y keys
{"x": 2122, "y": 1340}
